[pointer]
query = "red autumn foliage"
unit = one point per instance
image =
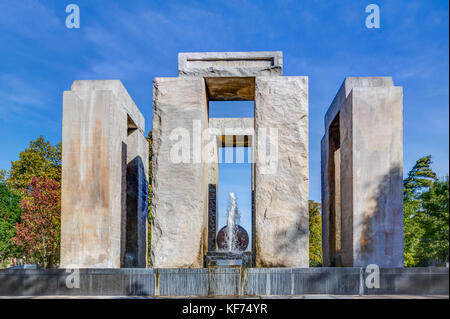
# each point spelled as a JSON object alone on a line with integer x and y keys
{"x": 39, "y": 230}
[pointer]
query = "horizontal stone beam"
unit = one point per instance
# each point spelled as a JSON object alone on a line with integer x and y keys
{"x": 226, "y": 64}
{"x": 233, "y": 131}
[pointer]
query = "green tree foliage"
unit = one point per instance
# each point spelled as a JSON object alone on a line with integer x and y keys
{"x": 413, "y": 232}
{"x": 425, "y": 215}
{"x": 315, "y": 234}
{"x": 9, "y": 215}
{"x": 39, "y": 159}
{"x": 3, "y": 175}
{"x": 38, "y": 232}
{"x": 434, "y": 218}
{"x": 420, "y": 177}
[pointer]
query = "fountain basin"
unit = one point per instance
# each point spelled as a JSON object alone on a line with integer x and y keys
{"x": 229, "y": 259}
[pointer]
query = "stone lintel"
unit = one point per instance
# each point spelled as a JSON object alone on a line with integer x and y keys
{"x": 230, "y": 64}
{"x": 230, "y": 88}
{"x": 233, "y": 131}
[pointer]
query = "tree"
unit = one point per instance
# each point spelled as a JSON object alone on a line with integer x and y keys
{"x": 434, "y": 217}
{"x": 38, "y": 233}
{"x": 425, "y": 215}
{"x": 39, "y": 159}
{"x": 3, "y": 175}
{"x": 413, "y": 232}
{"x": 315, "y": 234}
{"x": 9, "y": 215}
{"x": 420, "y": 178}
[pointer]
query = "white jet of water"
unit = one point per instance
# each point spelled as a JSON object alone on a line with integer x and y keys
{"x": 233, "y": 219}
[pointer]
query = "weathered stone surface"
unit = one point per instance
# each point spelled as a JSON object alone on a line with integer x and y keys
{"x": 83, "y": 87}
{"x": 180, "y": 190}
{"x": 92, "y": 170}
{"x": 369, "y": 117}
{"x": 281, "y": 195}
{"x": 378, "y": 176}
{"x": 345, "y": 89}
{"x": 94, "y": 174}
{"x": 230, "y": 64}
{"x": 230, "y": 88}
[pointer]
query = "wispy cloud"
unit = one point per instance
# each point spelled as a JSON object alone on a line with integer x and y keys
{"x": 139, "y": 40}
{"x": 20, "y": 98}
{"x": 27, "y": 18}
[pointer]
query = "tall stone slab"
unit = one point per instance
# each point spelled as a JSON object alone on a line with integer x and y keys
{"x": 362, "y": 164}
{"x": 179, "y": 186}
{"x": 97, "y": 119}
{"x": 281, "y": 181}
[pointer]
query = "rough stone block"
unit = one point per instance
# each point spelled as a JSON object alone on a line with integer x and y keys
{"x": 281, "y": 182}
{"x": 180, "y": 189}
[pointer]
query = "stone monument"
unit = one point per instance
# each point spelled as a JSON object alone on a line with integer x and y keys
{"x": 105, "y": 168}
{"x": 362, "y": 175}
{"x": 182, "y": 191}
{"x": 104, "y": 178}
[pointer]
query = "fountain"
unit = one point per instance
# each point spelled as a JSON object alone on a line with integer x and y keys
{"x": 232, "y": 241}
{"x": 232, "y": 237}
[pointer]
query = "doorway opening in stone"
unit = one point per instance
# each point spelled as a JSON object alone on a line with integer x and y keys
{"x": 334, "y": 180}
{"x": 233, "y": 122}
{"x": 134, "y": 186}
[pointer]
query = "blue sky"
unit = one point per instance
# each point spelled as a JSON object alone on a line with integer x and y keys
{"x": 236, "y": 176}
{"x": 135, "y": 41}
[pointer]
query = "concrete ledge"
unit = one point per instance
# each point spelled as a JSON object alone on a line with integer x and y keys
{"x": 224, "y": 282}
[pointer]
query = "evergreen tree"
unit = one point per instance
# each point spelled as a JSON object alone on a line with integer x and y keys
{"x": 425, "y": 215}
{"x": 434, "y": 218}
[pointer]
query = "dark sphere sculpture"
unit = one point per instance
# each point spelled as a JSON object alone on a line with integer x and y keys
{"x": 239, "y": 233}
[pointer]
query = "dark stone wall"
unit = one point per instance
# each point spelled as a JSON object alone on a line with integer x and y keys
{"x": 136, "y": 214}
{"x": 223, "y": 282}
{"x": 212, "y": 216}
